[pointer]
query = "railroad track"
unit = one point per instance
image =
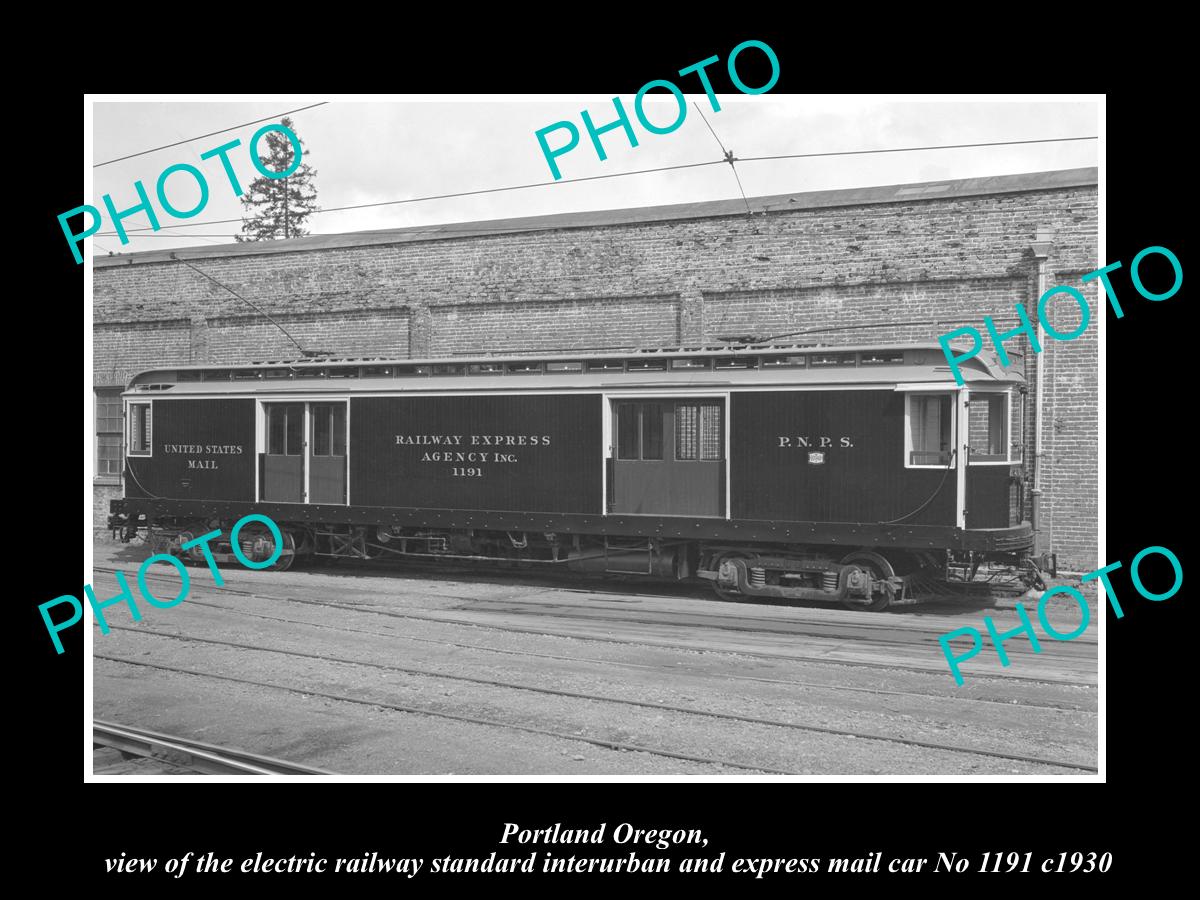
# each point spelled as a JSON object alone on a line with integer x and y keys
{"x": 207, "y": 759}
{"x": 892, "y": 632}
{"x": 578, "y": 695}
{"x": 869, "y": 637}
{"x": 952, "y": 698}
{"x": 475, "y": 720}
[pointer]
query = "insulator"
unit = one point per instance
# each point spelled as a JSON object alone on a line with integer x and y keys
{"x": 829, "y": 581}
{"x": 758, "y": 576}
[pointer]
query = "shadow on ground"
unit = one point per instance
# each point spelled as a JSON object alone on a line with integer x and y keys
{"x": 504, "y": 573}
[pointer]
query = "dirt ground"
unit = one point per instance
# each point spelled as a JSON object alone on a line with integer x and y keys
{"x": 441, "y": 671}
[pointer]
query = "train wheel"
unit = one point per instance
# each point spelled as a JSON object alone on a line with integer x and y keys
{"x": 732, "y": 596}
{"x": 880, "y": 569}
{"x": 287, "y": 555}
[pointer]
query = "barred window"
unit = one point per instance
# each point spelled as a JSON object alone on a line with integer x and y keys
{"x": 699, "y": 432}
{"x": 139, "y": 429}
{"x": 109, "y": 432}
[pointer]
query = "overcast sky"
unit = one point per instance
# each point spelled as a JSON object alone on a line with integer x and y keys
{"x": 371, "y": 151}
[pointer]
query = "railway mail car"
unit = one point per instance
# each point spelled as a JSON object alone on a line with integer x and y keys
{"x": 835, "y": 473}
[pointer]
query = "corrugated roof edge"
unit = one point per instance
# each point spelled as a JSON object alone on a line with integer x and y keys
{"x": 986, "y": 358}
{"x": 739, "y": 349}
{"x": 895, "y": 193}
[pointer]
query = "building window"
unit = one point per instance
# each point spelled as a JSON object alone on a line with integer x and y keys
{"x": 698, "y": 431}
{"x": 140, "y": 426}
{"x": 639, "y": 431}
{"x": 109, "y": 433}
{"x": 929, "y": 429}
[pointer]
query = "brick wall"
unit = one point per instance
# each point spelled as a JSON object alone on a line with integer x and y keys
{"x": 911, "y": 270}
{"x": 549, "y": 325}
{"x": 120, "y": 350}
{"x": 235, "y": 339}
{"x": 1070, "y": 433}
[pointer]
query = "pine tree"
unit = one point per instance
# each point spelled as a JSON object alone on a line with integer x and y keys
{"x": 279, "y": 207}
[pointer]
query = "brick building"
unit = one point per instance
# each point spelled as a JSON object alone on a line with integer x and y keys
{"x": 903, "y": 262}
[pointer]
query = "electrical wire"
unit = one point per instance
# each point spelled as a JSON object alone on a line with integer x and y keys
{"x": 181, "y": 237}
{"x": 937, "y": 490}
{"x": 515, "y": 187}
{"x": 738, "y": 179}
{"x": 729, "y": 158}
{"x": 109, "y": 162}
{"x": 724, "y": 152}
{"x": 1086, "y": 137}
{"x": 133, "y": 475}
{"x": 263, "y": 312}
{"x": 520, "y": 187}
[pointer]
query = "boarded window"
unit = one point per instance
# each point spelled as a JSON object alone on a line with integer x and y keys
{"x": 929, "y": 429}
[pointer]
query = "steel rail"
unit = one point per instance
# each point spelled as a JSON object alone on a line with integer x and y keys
{"x": 642, "y": 704}
{"x": 616, "y": 663}
{"x": 739, "y": 624}
{"x": 208, "y": 759}
{"x": 446, "y": 620}
{"x": 474, "y": 720}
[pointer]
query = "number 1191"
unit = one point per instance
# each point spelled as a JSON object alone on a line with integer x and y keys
{"x": 1011, "y": 859}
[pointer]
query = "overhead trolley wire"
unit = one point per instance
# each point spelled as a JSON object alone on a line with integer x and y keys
{"x": 729, "y": 157}
{"x": 515, "y": 187}
{"x": 252, "y": 305}
{"x": 1085, "y": 137}
{"x": 108, "y": 162}
{"x": 716, "y": 162}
